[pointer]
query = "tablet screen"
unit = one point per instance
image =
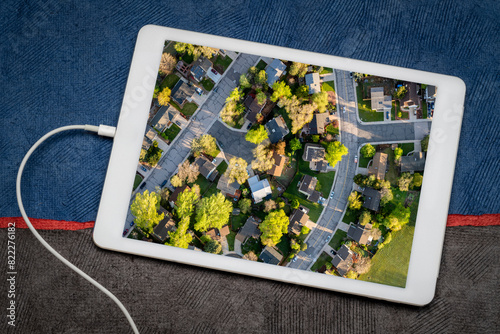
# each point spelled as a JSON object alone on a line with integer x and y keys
{"x": 285, "y": 163}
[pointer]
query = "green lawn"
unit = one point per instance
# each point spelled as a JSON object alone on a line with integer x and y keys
{"x": 252, "y": 245}
{"x": 222, "y": 62}
{"x": 261, "y": 65}
{"x": 363, "y": 162}
{"x": 315, "y": 209}
{"x": 188, "y": 59}
{"x": 207, "y": 84}
{"x": 366, "y": 114}
{"x": 326, "y": 181}
{"x": 424, "y": 109}
{"x": 203, "y": 183}
{"x": 138, "y": 179}
{"x": 335, "y": 243}
{"x": 326, "y": 70}
{"x": 332, "y": 130}
{"x": 407, "y": 147}
{"x": 169, "y": 81}
{"x": 392, "y": 174}
{"x": 390, "y": 264}
{"x": 322, "y": 260}
{"x": 238, "y": 221}
{"x": 230, "y": 240}
{"x": 284, "y": 245}
{"x": 172, "y": 132}
{"x": 350, "y": 216}
{"x": 171, "y": 49}
{"x": 222, "y": 167}
{"x": 393, "y": 111}
{"x": 188, "y": 109}
{"x": 328, "y": 86}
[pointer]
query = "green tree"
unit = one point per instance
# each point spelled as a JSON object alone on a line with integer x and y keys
{"x": 295, "y": 204}
{"x": 257, "y": 135}
{"x": 302, "y": 92}
{"x": 213, "y": 247}
{"x": 153, "y": 154}
{"x": 212, "y": 212}
{"x": 298, "y": 69}
{"x": 305, "y": 230}
{"x": 354, "y": 201}
{"x": 263, "y": 158}
{"x": 231, "y": 111}
{"x": 245, "y": 205}
{"x": 237, "y": 170}
{"x": 321, "y": 100}
{"x": 235, "y": 95}
{"x": 398, "y": 218}
{"x": 184, "y": 48}
{"x": 303, "y": 247}
{"x": 417, "y": 180}
{"x": 334, "y": 152}
{"x": 315, "y": 138}
{"x": 261, "y": 77}
{"x": 205, "y": 143}
{"x": 368, "y": 151}
{"x": 261, "y": 97}
{"x": 360, "y": 179}
{"x": 280, "y": 90}
{"x": 398, "y": 152}
{"x": 424, "y": 143}
{"x": 269, "y": 205}
{"x": 244, "y": 82}
{"x": 273, "y": 227}
{"x": 186, "y": 201}
{"x": 295, "y": 145}
{"x": 400, "y": 93}
{"x": 386, "y": 196}
{"x": 404, "y": 181}
{"x": 145, "y": 210}
{"x": 176, "y": 181}
{"x": 180, "y": 238}
{"x": 167, "y": 64}
{"x": 365, "y": 217}
{"x": 351, "y": 274}
{"x": 299, "y": 114}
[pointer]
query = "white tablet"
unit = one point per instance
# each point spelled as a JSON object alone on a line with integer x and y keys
{"x": 283, "y": 164}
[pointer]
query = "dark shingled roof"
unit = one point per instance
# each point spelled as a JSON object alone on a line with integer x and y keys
{"x": 206, "y": 167}
{"x": 297, "y": 220}
{"x": 372, "y": 199}
{"x": 249, "y": 230}
{"x": 307, "y": 184}
{"x": 253, "y": 108}
{"x": 360, "y": 233}
{"x": 226, "y": 187}
{"x": 181, "y": 92}
{"x": 271, "y": 255}
{"x": 414, "y": 162}
{"x": 276, "y": 129}
{"x": 167, "y": 224}
{"x": 342, "y": 261}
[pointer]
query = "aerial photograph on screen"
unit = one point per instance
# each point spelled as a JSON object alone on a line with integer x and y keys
{"x": 284, "y": 163}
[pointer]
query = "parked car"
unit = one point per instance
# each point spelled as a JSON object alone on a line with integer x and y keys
{"x": 216, "y": 88}
{"x": 294, "y": 259}
{"x": 142, "y": 185}
{"x": 144, "y": 168}
{"x": 199, "y": 91}
{"x": 214, "y": 71}
{"x": 331, "y": 194}
{"x": 125, "y": 232}
{"x": 343, "y": 109}
{"x": 350, "y": 74}
{"x": 328, "y": 238}
{"x": 333, "y": 252}
{"x": 249, "y": 126}
{"x": 178, "y": 123}
{"x": 163, "y": 183}
{"x": 131, "y": 223}
{"x": 355, "y": 159}
{"x": 415, "y": 112}
{"x": 387, "y": 114}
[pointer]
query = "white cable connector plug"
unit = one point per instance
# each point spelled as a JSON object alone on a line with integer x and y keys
{"x": 102, "y": 130}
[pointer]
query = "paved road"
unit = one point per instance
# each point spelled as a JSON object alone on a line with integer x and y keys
{"x": 233, "y": 142}
{"x": 199, "y": 124}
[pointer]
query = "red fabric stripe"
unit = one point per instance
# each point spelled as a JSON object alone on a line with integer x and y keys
{"x": 50, "y": 224}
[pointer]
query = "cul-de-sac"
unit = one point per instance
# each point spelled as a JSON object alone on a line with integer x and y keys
{"x": 280, "y": 162}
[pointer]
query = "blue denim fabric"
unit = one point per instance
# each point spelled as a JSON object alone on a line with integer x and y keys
{"x": 67, "y": 63}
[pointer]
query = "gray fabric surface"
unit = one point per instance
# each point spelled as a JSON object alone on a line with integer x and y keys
{"x": 165, "y": 297}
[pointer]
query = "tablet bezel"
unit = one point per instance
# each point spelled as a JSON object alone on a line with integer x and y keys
{"x": 435, "y": 194}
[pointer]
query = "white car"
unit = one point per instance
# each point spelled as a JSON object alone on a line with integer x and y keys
{"x": 343, "y": 109}
{"x": 356, "y": 159}
{"x": 294, "y": 259}
{"x": 331, "y": 195}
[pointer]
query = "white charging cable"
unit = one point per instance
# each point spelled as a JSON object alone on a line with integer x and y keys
{"x": 102, "y": 130}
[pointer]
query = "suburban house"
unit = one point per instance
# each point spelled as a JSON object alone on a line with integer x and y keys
{"x": 318, "y": 123}
{"x": 372, "y": 199}
{"x": 271, "y": 255}
{"x": 253, "y": 108}
{"x": 149, "y": 137}
{"x": 200, "y": 68}
{"x": 216, "y": 234}
{"x": 298, "y": 219}
{"x": 274, "y": 71}
{"x": 430, "y": 93}
{"x": 260, "y": 188}
{"x": 307, "y": 187}
{"x": 183, "y": 68}
{"x": 172, "y": 200}
{"x": 361, "y": 234}
{"x": 342, "y": 261}
{"x": 231, "y": 189}
{"x": 413, "y": 163}
{"x": 315, "y": 155}
{"x": 206, "y": 168}
{"x": 167, "y": 224}
{"x": 313, "y": 82}
{"x": 279, "y": 163}
{"x": 181, "y": 92}
{"x": 249, "y": 230}
{"x": 380, "y": 102}
{"x": 379, "y": 165}
{"x": 276, "y": 129}
{"x": 165, "y": 117}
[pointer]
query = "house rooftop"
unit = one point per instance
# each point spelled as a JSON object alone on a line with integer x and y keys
{"x": 271, "y": 255}
{"x": 313, "y": 153}
{"x": 274, "y": 71}
{"x": 175, "y": 194}
{"x": 167, "y": 224}
{"x": 206, "y": 167}
{"x": 359, "y": 233}
{"x": 164, "y": 117}
{"x": 379, "y": 101}
{"x": 298, "y": 219}
{"x": 276, "y": 129}
{"x": 260, "y": 188}
{"x": 372, "y": 199}
{"x": 313, "y": 82}
{"x": 318, "y": 123}
{"x": 279, "y": 163}
{"x": 249, "y": 230}
{"x": 379, "y": 165}
{"x": 308, "y": 184}
{"x": 200, "y": 68}
{"x": 181, "y": 92}
{"x": 342, "y": 261}
{"x": 227, "y": 188}
{"x": 254, "y": 108}
{"x": 413, "y": 163}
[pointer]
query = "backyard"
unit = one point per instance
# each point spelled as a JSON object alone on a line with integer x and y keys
{"x": 366, "y": 114}
{"x": 171, "y": 132}
{"x": 222, "y": 63}
{"x": 322, "y": 260}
